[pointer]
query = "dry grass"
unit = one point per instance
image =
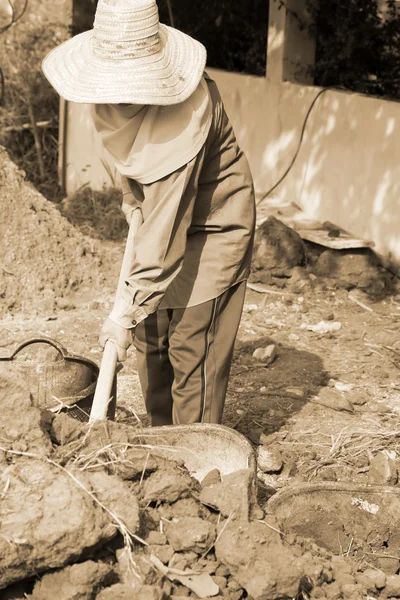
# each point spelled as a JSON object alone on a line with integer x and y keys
{"x": 97, "y": 213}
{"x": 343, "y": 449}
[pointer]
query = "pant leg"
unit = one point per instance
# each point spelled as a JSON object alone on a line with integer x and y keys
{"x": 201, "y": 343}
{"x": 154, "y": 368}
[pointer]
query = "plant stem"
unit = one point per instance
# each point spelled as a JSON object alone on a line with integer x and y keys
{"x": 38, "y": 145}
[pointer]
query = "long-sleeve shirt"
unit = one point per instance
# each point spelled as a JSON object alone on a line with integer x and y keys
{"x": 198, "y": 226}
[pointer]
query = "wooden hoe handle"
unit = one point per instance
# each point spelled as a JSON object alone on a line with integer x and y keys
{"x": 109, "y": 360}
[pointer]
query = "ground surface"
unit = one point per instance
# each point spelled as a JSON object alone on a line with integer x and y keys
{"x": 286, "y": 396}
{"x": 325, "y": 411}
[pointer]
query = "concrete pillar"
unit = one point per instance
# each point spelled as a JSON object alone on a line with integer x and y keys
{"x": 291, "y": 48}
{"x": 83, "y": 12}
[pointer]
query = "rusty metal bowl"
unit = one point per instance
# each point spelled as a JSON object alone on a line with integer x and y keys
{"x": 58, "y": 380}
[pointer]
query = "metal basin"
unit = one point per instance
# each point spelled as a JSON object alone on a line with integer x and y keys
{"x": 57, "y": 379}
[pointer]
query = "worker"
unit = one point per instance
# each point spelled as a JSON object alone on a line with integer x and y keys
{"x": 161, "y": 118}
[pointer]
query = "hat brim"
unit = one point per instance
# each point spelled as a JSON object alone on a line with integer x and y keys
{"x": 168, "y": 77}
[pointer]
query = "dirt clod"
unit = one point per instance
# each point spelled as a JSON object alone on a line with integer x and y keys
{"x": 166, "y": 486}
{"x": 277, "y": 249}
{"x": 22, "y": 426}
{"x": 354, "y": 268}
{"x": 231, "y": 497}
{"x": 77, "y": 581}
{"x": 212, "y": 477}
{"x": 190, "y": 534}
{"x": 269, "y": 461}
{"x": 258, "y": 558}
{"x": 46, "y": 519}
{"x": 382, "y": 470}
{"x": 120, "y": 591}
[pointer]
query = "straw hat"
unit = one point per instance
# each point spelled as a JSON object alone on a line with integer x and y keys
{"x": 128, "y": 57}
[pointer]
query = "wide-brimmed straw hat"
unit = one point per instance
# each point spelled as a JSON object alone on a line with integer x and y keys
{"x": 128, "y": 57}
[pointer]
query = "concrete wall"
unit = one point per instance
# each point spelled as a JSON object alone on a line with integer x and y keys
{"x": 348, "y": 167}
{"x": 347, "y": 170}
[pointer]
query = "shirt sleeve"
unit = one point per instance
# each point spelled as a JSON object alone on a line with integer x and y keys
{"x": 160, "y": 243}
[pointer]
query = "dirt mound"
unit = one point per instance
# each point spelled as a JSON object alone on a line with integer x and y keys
{"x": 44, "y": 260}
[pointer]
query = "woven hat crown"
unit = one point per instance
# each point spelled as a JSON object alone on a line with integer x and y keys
{"x": 126, "y": 29}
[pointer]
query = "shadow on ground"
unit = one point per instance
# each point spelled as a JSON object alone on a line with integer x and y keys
{"x": 271, "y": 395}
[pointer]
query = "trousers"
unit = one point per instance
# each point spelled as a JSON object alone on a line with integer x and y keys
{"x": 184, "y": 357}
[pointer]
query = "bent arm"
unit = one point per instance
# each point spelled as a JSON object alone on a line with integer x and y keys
{"x": 160, "y": 242}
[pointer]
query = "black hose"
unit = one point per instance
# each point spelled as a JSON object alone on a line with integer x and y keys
{"x": 298, "y": 146}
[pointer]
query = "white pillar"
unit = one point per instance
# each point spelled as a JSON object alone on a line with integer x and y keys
{"x": 291, "y": 48}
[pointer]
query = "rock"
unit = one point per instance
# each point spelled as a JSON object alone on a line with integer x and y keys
{"x": 77, "y": 581}
{"x": 382, "y": 470}
{"x": 352, "y": 590}
{"x": 271, "y": 438}
{"x": 119, "y": 591}
{"x": 299, "y": 274}
{"x": 343, "y": 387}
{"x": 392, "y": 588}
{"x": 220, "y": 581}
{"x": 185, "y": 507}
{"x": 265, "y": 355}
{"x": 156, "y": 537}
{"x": 353, "y": 268}
{"x": 117, "y": 497}
{"x": 178, "y": 562}
{"x": 269, "y": 461}
{"x": 166, "y": 486}
{"x": 323, "y": 327}
{"x": 46, "y": 518}
{"x": 22, "y": 425}
{"x": 372, "y": 579}
{"x": 331, "y": 398}
{"x": 299, "y": 280}
{"x": 261, "y": 564}
{"x": 65, "y": 429}
{"x": 190, "y": 533}
{"x": 295, "y": 392}
{"x": 134, "y": 462}
{"x": 164, "y": 552}
{"x": 233, "y": 497}
{"x": 212, "y": 477}
{"x": 359, "y": 398}
{"x": 277, "y": 248}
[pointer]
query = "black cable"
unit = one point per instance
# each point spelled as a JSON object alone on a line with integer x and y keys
{"x": 298, "y": 146}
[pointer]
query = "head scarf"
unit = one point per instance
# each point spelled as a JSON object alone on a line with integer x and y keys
{"x": 149, "y": 142}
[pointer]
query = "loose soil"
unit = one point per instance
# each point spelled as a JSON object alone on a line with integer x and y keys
{"x": 324, "y": 411}
{"x": 44, "y": 260}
